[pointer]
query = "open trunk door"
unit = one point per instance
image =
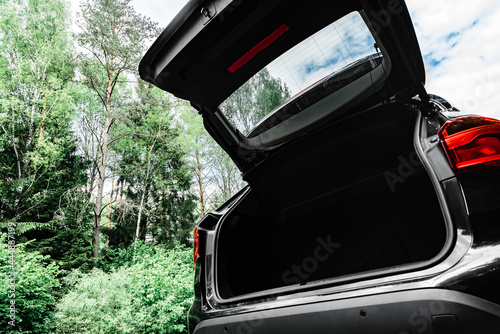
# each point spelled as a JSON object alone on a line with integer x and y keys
{"x": 315, "y": 60}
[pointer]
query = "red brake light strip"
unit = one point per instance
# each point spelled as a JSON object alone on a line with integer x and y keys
{"x": 258, "y": 48}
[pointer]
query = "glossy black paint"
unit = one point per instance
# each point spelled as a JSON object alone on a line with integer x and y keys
{"x": 469, "y": 266}
{"x": 416, "y": 311}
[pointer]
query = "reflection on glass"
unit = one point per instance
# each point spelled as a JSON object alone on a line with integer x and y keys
{"x": 327, "y": 52}
{"x": 254, "y": 100}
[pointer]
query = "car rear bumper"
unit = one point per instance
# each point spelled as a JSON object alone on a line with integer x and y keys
{"x": 417, "y": 311}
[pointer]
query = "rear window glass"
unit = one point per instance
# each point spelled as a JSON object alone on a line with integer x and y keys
{"x": 323, "y": 55}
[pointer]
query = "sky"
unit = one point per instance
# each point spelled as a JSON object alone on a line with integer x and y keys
{"x": 459, "y": 40}
{"x": 325, "y": 52}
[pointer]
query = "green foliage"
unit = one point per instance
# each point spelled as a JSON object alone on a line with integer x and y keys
{"x": 254, "y": 100}
{"x": 150, "y": 296}
{"x": 115, "y": 36}
{"x": 114, "y": 258}
{"x": 216, "y": 176}
{"x": 211, "y": 165}
{"x": 38, "y": 149}
{"x": 225, "y": 175}
{"x": 40, "y": 165}
{"x": 158, "y": 200}
{"x": 48, "y": 174}
{"x": 67, "y": 241}
{"x": 35, "y": 289}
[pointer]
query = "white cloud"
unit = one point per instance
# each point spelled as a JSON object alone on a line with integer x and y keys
{"x": 161, "y": 12}
{"x": 460, "y": 42}
{"x": 327, "y": 51}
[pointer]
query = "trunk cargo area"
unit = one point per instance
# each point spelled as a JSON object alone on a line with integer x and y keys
{"x": 350, "y": 198}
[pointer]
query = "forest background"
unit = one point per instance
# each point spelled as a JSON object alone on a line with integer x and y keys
{"x": 102, "y": 176}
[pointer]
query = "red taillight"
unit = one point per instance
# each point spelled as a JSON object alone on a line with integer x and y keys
{"x": 258, "y": 48}
{"x": 471, "y": 142}
{"x": 196, "y": 254}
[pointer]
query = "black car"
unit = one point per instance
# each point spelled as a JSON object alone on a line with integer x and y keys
{"x": 371, "y": 206}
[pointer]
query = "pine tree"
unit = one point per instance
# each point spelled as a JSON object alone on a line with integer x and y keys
{"x": 114, "y": 37}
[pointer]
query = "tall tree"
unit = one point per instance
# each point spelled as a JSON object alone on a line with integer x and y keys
{"x": 216, "y": 176}
{"x": 38, "y": 148}
{"x": 225, "y": 177}
{"x": 114, "y": 37}
{"x": 196, "y": 142}
{"x": 152, "y": 167}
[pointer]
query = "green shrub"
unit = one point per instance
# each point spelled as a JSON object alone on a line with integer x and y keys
{"x": 151, "y": 296}
{"x": 115, "y": 257}
{"x": 33, "y": 296}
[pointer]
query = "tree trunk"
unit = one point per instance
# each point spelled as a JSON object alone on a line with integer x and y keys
{"x": 121, "y": 192}
{"x": 100, "y": 190}
{"x": 14, "y": 144}
{"x": 139, "y": 216}
{"x": 228, "y": 168}
{"x": 44, "y": 108}
{"x": 92, "y": 180}
{"x": 111, "y": 202}
{"x": 102, "y": 169}
{"x": 200, "y": 183}
{"x": 164, "y": 211}
{"x": 141, "y": 205}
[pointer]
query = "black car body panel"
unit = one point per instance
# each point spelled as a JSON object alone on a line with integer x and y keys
{"x": 434, "y": 311}
{"x": 356, "y": 218}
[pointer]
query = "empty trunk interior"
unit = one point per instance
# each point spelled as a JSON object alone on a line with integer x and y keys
{"x": 347, "y": 199}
